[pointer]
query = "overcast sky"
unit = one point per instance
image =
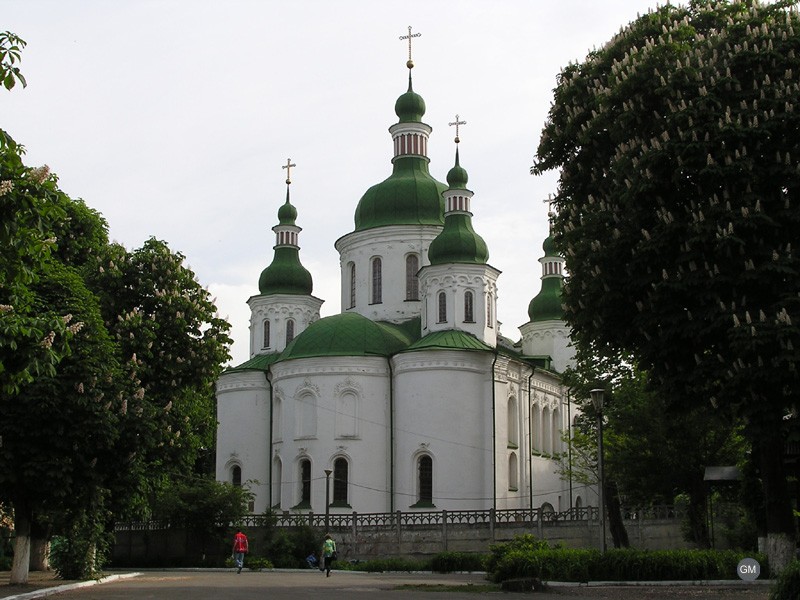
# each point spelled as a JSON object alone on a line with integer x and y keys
{"x": 173, "y": 118}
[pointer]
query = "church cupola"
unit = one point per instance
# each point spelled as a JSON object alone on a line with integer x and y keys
{"x": 459, "y": 287}
{"x": 284, "y": 306}
{"x": 546, "y": 306}
{"x": 410, "y": 196}
{"x": 286, "y": 275}
{"x": 546, "y": 334}
{"x": 458, "y": 242}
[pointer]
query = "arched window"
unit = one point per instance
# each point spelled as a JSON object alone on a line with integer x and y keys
{"x": 513, "y": 420}
{"x": 340, "y": 478}
{"x": 289, "y": 331}
{"x": 236, "y": 475}
{"x": 277, "y": 479}
{"x": 277, "y": 419}
{"x": 377, "y": 281}
{"x": 266, "y": 334}
{"x": 469, "y": 307}
{"x": 489, "y": 311}
{"x": 536, "y": 428}
{"x": 425, "y": 481}
{"x": 442, "y": 300}
{"x": 412, "y": 282}
{"x": 556, "y": 429}
{"x": 513, "y": 470}
{"x": 346, "y": 415}
{"x": 306, "y": 416}
{"x": 352, "y": 285}
{"x": 305, "y": 484}
{"x": 547, "y": 431}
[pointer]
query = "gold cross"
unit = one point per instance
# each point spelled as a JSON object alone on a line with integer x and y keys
{"x": 288, "y": 166}
{"x": 410, "y": 63}
{"x": 457, "y": 123}
{"x": 549, "y": 201}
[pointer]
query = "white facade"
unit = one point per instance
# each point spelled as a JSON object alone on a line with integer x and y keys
{"x": 410, "y": 399}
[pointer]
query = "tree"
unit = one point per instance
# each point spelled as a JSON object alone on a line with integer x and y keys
{"x": 11, "y": 46}
{"x": 677, "y": 209}
{"x": 174, "y": 345}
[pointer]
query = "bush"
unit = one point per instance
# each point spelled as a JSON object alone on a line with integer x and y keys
{"x": 787, "y": 586}
{"x": 380, "y": 565}
{"x": 526, "y": 557}
{"x": 449, "y": 562}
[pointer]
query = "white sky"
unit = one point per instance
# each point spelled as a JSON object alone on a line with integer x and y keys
{"x": 173, "y": 118}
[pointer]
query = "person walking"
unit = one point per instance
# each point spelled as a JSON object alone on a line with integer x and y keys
{"x": 240, "y": 548}
{"x": 328, "y": 553}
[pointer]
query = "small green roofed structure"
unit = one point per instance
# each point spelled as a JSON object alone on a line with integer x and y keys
{"x": 458, "y": 242}
{"x": 410, "y": 195}
{"x": 546, "y": 306}
{"x": 286, "y": 275}
{"x": 347, "y": 334}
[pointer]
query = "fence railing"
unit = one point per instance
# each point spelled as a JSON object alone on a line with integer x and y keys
{"x": 421, "y": 519}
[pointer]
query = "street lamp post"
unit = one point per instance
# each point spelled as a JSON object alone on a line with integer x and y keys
{"x": 597, "y": 401}
{"x": 327, "y": 497}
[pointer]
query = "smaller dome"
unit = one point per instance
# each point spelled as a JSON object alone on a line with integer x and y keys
{"x": 410, "y": 107}
{"x": 458, "y": 243}
{"x": 346, "y": 334}
{"x": 457, "y": 177}
{"x": 287, "y": 214}
{"x": 285, "y": 275}
{"x": 546, "y": 306}
{"x": 549, "y": 246}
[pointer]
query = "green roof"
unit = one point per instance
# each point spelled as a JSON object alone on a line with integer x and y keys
{"x": 458, "y": 243}
{"x": 260, "y": 362}
{"x": 347, "y": 334}
{"x": 409, "y": 196}
{"x": 286, "y": 275}
{"x": 410, "y": 107}
{"x": 450, "y": 339}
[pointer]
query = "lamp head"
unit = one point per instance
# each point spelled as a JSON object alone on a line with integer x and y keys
{"x": 597, "y": 399}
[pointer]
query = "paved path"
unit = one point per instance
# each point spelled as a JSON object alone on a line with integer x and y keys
{"x": 341, "y": 585}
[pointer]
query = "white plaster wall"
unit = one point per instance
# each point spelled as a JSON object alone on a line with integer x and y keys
{"x": 367, "y": 451}
{"x": 549, "y": 338}
{"x": 279, "y": 308}
{"x": 443, "y": 406}
{"x": 454, "y": 280}
{"x": 243, "y": 429}
{"x": 392, "y": 244}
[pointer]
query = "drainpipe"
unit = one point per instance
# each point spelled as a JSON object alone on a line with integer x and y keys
{"x": 494, "y": 437}
{"x": 569, "y": 445}
{"x": 530, "y": 435}
{"x": 271, "y": 429}
{"x": 391, "y": 436}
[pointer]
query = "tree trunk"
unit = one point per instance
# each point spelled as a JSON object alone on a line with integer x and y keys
{"x": 698, "y": 514}
{"x": 619, "y": 534}
{"x": 22, "y": 546}
{"x": 40, "y": 546}
{"x": 781, "y": 534}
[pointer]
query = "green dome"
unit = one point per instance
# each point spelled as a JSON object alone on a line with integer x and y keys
{"x": 458, "y": 243}
{"x": 346, "y": 334}
{"x": 410, "y": 107}
{"x": 287, "y": 214}
{"x": 549, "y": 246}
{"x": 546, "y": 306}
{"x": 409, "y": 196}
{"x": 457, "y": 176}
{"x": 286, "y": 275}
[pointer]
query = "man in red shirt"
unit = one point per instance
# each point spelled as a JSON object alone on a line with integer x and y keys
{"x": 239, "y": 550}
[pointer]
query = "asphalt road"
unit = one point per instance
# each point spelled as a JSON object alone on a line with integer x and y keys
{"x": 341, "y": 585}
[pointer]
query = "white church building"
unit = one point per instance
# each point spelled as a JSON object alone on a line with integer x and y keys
{"x": 409, "y": 399}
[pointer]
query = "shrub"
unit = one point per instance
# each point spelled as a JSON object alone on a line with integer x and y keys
{"x": 449, "y": 562}
{"x": 380, "y": 565}
{"x": 787, "y": 585}
{"x": 523, "y": 543}
{"x": 530, "y": 558}
{"x": 254, "y": 563}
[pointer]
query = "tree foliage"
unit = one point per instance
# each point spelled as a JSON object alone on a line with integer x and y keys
{"x": 11, "y": 46}
{"x": 678, "y": 207}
